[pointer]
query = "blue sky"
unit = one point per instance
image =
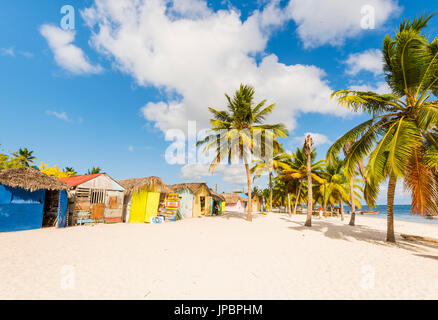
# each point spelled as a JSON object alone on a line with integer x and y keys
{"x": 104, "y": 94}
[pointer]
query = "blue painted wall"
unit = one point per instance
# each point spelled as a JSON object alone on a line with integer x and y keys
{"x": 62, "y": 209}
{"x": 20, "y": 209}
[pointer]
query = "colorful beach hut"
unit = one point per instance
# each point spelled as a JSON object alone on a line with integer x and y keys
{"x": 95, "y": 198}
{"x": 195, "y": 199}
{"x": 218, "y": 202}
{"x": 30, "y": 199}
{"x": 142, "y": 198}
{"x": 234, "y": 202}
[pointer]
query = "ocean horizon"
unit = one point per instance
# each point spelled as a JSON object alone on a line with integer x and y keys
{"x": 401, "y": 212}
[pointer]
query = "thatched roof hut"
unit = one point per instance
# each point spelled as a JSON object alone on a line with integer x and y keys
{"x": 193, "y": 187}
{"x": 151, "y": 184}
{"x": 231, "y": 198}
{"x": 216, "y": 196}
{"x": 30, "y": 179}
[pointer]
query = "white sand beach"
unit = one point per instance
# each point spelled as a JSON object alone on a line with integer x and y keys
{"x": 274, "y": 257}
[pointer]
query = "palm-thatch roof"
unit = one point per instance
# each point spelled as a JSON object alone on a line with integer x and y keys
{"x": 30, "y": 179}
{"x": 151, "y": 184}
{"x": 193, "y": 187}
{"x": 232, "y": 198}
{"x": 216, "y": 196}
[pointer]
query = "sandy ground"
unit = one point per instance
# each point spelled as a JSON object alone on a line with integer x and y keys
{"x": 274, "y": 257}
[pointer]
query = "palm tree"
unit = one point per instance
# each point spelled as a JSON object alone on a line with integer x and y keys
{"x": 361, "y": 168}
{"x": 71, "y": 171}
{"x": 402, "y": 123}
{"x": 235, "y": 132}
{"x": 308, "y": 144}
{"x": 271, "y": 165}
{"x": 338, "y": 188}
{"x": 25, "y": 157}
{"x": 94, "y": 170}
{"x": 297, "y": 169}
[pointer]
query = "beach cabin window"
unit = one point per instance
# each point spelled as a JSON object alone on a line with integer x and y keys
{"x": 202, "y": 204}
{"x": 97, "y": 196}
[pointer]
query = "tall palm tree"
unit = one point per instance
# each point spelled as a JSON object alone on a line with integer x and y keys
{"x": 297, "y": 169}
{"x": 308, "y": 144}
{"x": 26, "y": 157}
{"x": 239, "y": 132}
{"x": 402, "y": 124}
{"x": 272, "y": 166}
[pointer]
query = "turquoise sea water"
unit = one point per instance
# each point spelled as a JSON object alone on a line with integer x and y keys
{"x": 401, "y": 212}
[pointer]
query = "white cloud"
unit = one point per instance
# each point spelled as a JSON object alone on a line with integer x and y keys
{"x": 199, "y": 59}
{"x": 234, "y": 174}
{"x": 59, "y": 115}
{"x": 318, "y": 139}
{"x": 333, "y": 21}
{"x": 7, "y": 52}
{"x": 380, "y": 88}
{"x": 67, "y": 55}
{"x": 11, "y": 52}
{"x": 131, "y": 149}
{"x": 370, "y": 60}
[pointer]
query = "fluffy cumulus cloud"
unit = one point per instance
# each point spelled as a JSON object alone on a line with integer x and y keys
{"x": 67, "y": 55}
{"x": 370, "y": 60}
{"x": 234, "y": 174}
{"x": 196, "y": 55}
{"x": 331, "y": 22}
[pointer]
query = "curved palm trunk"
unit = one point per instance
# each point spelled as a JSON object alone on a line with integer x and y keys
{"x": 298, "y": 196}
{"x": 390, "y": 236}
{"x": 270, "y": 190}
{"x": 353, "y": 205}
{"x": 308, "y": 148}
{"x": 249, "y": 209}
{"x": 289, "y": 211}
{"x": 341, "y": 209}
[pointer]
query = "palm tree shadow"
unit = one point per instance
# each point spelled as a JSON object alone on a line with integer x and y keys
{"x": 358, "y": 233}
{"x": 239, "y": 215}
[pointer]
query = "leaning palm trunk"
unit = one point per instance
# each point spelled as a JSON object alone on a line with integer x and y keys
{"x": 308, "y": 148}
{"x": 390, "y": 237}
{"x": 249, "y": 209}
{"x": 353, "y": 205}
{"x": 341, "y": 210}
{"x": 270, "y": 190}
{"x": 298, "y": 196}
{"x": 289, "y": 211}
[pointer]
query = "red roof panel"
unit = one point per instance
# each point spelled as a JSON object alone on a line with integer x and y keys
{"x": 75, "y": 181}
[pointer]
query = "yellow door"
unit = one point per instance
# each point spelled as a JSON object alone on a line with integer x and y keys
{"x": 137, "y": 213}
{"x": 153, "y": 201}
{"x": 208, "y": 206}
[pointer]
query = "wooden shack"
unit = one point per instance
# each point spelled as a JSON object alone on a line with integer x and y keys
{"x": 142, "y": 198}
{"x": 30, "y": 199}
{"x": 195, "y": 199}
{"x": 94, "y": 198}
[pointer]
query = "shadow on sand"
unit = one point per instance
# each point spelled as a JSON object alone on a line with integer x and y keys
{"x": 343, "y": 231}
{"x": 239, "y": 215}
